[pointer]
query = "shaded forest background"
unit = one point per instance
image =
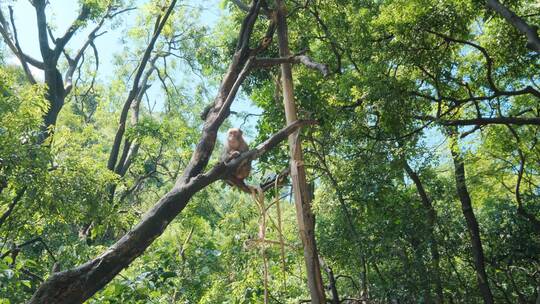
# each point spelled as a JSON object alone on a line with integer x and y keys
{"x": 424, "y": 163}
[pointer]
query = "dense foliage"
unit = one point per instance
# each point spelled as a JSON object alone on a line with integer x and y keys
{"x": 427, "y": 140}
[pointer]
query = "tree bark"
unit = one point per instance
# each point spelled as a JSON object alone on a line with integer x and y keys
{"x": 332, "y": 284}
{"x": 55, "y": 95}
{"x": 79, "y": 284}
{"x": 302, "y": 197}
{"x": 470, "y": 218}
{"x": 422, "y": 269}
{"x": 531, "y": 32}
{"x": 431, "y": 220}
{"x": 364, "y": 291}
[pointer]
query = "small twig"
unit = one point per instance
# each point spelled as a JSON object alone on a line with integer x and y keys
{"x": 303, "y": 59}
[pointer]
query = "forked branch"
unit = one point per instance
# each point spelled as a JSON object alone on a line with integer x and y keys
{"x": 78, "y": 284}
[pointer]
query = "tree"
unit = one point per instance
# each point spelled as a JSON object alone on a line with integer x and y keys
{"x": 402, "y": 213}
{"x": 82, "y": 282}
{"x": 58, "y": 86}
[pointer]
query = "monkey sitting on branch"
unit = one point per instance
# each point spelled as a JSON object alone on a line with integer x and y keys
{"x": 234, "y": 146}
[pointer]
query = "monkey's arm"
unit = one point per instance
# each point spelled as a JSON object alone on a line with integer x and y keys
{"x": 232, "y": 166}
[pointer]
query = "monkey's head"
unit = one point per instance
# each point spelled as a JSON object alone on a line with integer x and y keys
{"x": 234, "y": 137}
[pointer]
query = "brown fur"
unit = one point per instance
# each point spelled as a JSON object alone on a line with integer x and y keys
{"x": 234, "y": 146}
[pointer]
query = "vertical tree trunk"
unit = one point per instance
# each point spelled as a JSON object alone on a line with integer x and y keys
{"x": 55, "y": 94}
{"x": 363, "y": 279}
{"x": 302, "y": 197}
{"x": 422, "y": 270}
{"x": 436, "y": 261}
{"x": 364, "y": 291}
{"x": 470, "y": 218}
{"x": 431, "y": 220}
{"x": 331, "y": 281}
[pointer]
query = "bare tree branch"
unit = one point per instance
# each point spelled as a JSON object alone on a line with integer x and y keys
{"x": 484, "y": 121}
{"x": 130, "y": 148}
{"x": 43, "y": 39}
{"x": 61, "y": 42}
{"x": 19, "y": 52}
{"x": 160, "y": 23}
{"x": 6, "y": 35}
{"x": 73, "y": 63}
{"x": 303, "y": 59}
{"x": 489, "y": 69}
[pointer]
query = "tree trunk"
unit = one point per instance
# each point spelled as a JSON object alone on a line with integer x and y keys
{"x": 56, "y": 97}
{"x": 79, "y": 284}
{"x": 431, "y": 220}
{"x": 422, "y": 269}
{"x": 363, "y": 279}
{"x": 302, "y": 197}
{"x": 331, "y": 281}
{"x": 436, "y": 257}
{"x": 530, "y": 31}
{"x": 470, "y": 218}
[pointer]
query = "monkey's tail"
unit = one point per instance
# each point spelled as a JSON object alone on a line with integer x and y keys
{"x": 241, "y": 185}
{"x": 255, "y": 190}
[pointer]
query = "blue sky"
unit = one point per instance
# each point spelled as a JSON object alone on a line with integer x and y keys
{"x": 61, "y": 14}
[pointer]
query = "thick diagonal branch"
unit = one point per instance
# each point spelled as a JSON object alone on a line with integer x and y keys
{"x": 530, "y": 31}
{"x": 43, "y": 38}
{"x": 61, "y": 42}
{"x": 77, "y": 285}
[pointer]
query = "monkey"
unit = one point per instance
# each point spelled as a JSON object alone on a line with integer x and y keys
{"x": 234, "y": 146}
